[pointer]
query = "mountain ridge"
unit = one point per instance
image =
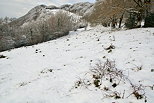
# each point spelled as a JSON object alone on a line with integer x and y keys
{"x": 80, "y": 8}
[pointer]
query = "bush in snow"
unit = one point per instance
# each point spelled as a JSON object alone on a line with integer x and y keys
{"x": 7, "y": 43}
{"x": 103, "y": 71}
{"x": 107, "y": 78}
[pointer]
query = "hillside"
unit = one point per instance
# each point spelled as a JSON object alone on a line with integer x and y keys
{"x": 49, "y": 72}
{"x": 40, "y": 24}
{"x": 81, "y": 8}
{"x": 43, "y": 12}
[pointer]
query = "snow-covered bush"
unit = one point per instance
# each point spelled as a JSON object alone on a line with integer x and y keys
{"x": 6, "y": 43}
{"x": 21, "y": 40}
{"x": 61, "y": 21}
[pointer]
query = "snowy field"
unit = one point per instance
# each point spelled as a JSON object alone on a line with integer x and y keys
{"x": 48, "y": 72}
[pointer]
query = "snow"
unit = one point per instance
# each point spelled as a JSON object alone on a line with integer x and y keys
{"x": 47, "y": 72}
{"x": 45, "y": 14}
{"x": 80, "y": 8}
{"x": 42, "y": 13}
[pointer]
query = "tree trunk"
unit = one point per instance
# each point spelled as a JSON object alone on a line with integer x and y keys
{"x": 121, "y": 18}
{"x": 113, "y": 22}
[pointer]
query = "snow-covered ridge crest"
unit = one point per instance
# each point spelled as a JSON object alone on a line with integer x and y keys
{"x": 79, "y": 8}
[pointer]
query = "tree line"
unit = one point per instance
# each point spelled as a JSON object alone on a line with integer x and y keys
{"x": 57, "y": 25}
{"x": 116, "y": 12}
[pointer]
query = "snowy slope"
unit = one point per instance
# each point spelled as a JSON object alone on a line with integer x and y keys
{"x": 40, "y": 13}
{"x": 47, "y": 72}
{"x": 43, "y": 12}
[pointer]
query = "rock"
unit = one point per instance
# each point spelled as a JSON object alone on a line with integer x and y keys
{"x": 2, "y": 56}
{"x": 52, "y": 7}
{"x": 152, "y": 70}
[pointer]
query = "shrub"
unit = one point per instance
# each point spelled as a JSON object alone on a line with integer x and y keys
{"x": 6, "y": 43}
{"x": 106, "y": 71}
{"x": 107, "y": 78}
{"x": 130, "y": 22}
{"x": 149, "y": 20}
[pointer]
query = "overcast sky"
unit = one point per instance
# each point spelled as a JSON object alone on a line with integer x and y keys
{"x": 17, "y": 8}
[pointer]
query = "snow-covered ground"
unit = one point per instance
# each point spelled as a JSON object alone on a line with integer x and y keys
{"x": 47, "y": 72}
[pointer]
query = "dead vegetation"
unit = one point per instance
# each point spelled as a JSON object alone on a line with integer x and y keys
{"x": 106, "y": 72}
{"x": 138, "y": 91}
